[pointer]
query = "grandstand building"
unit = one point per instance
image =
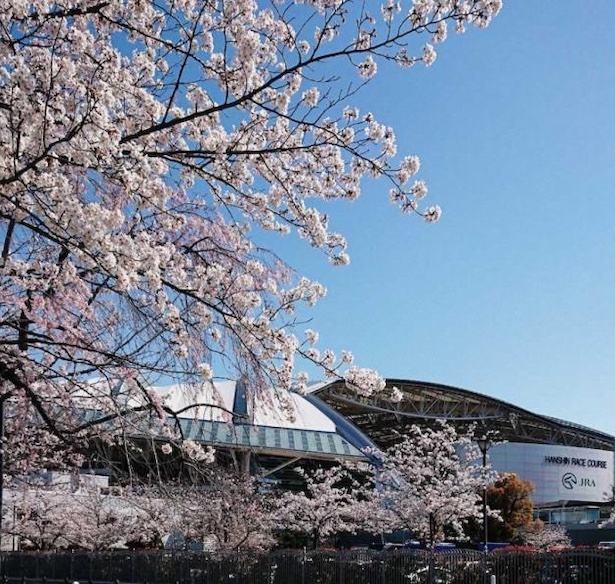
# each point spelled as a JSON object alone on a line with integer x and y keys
{"x": 571, "y": 466}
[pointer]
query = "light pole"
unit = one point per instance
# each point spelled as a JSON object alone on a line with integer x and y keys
{"x": 484, "y": 444}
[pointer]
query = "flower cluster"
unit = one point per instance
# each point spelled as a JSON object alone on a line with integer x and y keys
{"x": 432, "y": 480}
{"x": 337, "y": 499}
{"x": 142, "y": 144}
{"x": 195, "y": 452}
{"x": 364, "y": 381}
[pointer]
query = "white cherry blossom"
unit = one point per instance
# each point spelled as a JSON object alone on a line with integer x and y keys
{"x": 143, "y": 145}
{"x": 432, "y": 480}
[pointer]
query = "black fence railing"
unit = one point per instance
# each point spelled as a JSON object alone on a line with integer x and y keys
{"x": 295, "y": 567}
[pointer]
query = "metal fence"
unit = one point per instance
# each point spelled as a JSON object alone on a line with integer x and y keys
{"x": 295, "y": 567}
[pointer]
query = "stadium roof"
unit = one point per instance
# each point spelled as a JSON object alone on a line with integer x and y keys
{"x": 277, "y": 424}
{"x": 384, "y": 421}
{"x": 333, "y": 422}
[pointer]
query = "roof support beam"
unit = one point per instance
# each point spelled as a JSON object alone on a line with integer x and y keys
{"x": 280, "y": 466}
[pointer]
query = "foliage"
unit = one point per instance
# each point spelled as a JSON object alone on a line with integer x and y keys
{"x": 62, "y": 518}
{"x": 38, "y": 520}
{"x": 144, "y": 148}
{"x": 545, "y": 536}
{"x": 231, "y": 511}
{"x": 431, "y": 482}
{"x": 226, "y": 509}
{"x": 335, "y": 500}
{"x": 511, "y": 497}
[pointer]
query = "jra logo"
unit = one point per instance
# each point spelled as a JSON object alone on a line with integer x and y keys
{"x": 570, "y": 480}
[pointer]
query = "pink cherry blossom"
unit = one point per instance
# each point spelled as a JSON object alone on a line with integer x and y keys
{"x": 432, "y": 479}
{"x": 142, "y": 147}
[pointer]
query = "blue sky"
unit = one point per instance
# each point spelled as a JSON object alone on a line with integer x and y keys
{"x": 512, "y": 292}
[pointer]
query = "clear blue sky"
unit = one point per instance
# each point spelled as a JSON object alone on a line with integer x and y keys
{"x": 512, "y": 292}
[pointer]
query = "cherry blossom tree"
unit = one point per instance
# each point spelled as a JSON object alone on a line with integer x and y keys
{"x": 334, "y": 500}
{"x": 431, "y": 482}
{"x": 153, "y": 514}
{"x": 60, "y": 517}
{"x": 143, "y": 148}
{"x": 545, "y": 536}
{"x": 36, "y": 518}
{"x": 100, "y": 521}
{"x": 229, "y": 510}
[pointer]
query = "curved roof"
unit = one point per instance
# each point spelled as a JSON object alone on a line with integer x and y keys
{"x": 226, "y": 401}
{"x": 384, "y": 421}
{"x": 273, "y": 423}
